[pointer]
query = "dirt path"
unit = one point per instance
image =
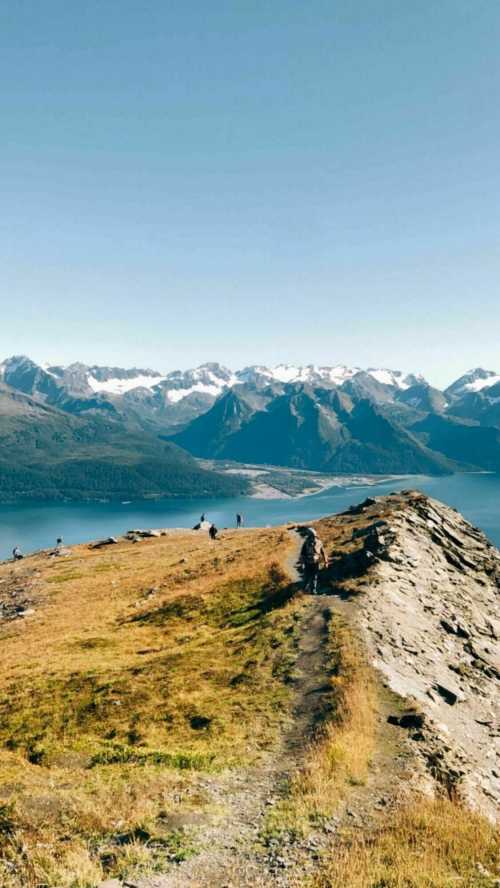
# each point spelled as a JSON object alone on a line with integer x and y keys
{"x": 230, "y": 854}
{"x": 241, "y": 799}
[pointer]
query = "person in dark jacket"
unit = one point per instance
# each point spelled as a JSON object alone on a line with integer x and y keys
{"x": 212, "y": 532}
{"x": 239, "y": 520}
{"x": 311, "y": 556}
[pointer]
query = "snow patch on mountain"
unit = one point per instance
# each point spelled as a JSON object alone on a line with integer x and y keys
{"x": 394, "y": 378}
{"x": 479, "y": 384}
{"x": 209, "y": 379}
{"x": 335, "y": 375}
{"x": 292, "y": 373}
{"x": 116, "y": 386}
{"x": 474, "y": 381}
{"x": 175, "y": 395}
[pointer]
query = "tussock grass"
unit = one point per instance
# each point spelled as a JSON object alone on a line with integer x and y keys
{"x": 340, "y": 756}
{"x": 124, "y": 685}
{"x": 428, "y": 844}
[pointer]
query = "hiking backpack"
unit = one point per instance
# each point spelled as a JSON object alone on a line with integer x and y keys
{"x": 312, "y": 550}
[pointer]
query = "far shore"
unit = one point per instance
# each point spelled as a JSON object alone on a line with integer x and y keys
{"x": 264, "y": 491}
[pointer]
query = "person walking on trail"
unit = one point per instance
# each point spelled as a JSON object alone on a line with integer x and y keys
{"x": 212, "y": 532}
{"x": 239, "y": 520}
{"x": 17, "y": 554}
{"x": 311, "y": 555}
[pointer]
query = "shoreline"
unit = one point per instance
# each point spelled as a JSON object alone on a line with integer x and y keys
{"x": 37, "y": 524}
{"x": 263, "y": 491}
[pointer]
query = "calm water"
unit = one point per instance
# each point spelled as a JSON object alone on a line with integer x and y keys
{"x": 35, "y": 526}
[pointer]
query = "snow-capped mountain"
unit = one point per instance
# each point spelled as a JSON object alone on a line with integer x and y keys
{"x": 476, "y": 396}
{"x": 23, "y": 374}
{"x": 103, "y": 380}
{"x": 335, "y": 418}
{"x": 172, "y": 399}
{"x": 396, "y": 378}
{"x": 208, "y": 379}
{"x": 316, "y": 375}
{"x": 292, "y": 373}
{"x": 477, "y": 380}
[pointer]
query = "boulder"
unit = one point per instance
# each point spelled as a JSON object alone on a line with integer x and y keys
{"x": 142, "y": 534}
{"x": 109, "y": 541}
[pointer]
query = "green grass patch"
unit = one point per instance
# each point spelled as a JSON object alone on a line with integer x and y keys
{"x": 120, "y": 754}
{"x": 64, "y": 577}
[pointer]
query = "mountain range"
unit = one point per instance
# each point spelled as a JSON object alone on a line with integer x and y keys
{"x": 138, "y": 430}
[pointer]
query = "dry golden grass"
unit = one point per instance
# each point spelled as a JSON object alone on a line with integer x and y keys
{"x": 113, "y": 696}
{"x": 428, "y": 844}
{"x": 340, "y": 757}
{"x": 144, "y": 665}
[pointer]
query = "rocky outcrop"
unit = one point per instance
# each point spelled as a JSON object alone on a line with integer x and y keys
{"x": 429, "y": 613}
{"x": 19, "y": 593}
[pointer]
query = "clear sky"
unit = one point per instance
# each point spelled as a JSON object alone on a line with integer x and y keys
{"x": 251, "y": 182}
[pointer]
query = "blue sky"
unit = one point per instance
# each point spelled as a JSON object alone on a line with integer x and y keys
{"x": 251, "y": 182}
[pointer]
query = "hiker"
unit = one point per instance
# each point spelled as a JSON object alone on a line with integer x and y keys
{"x": 239, "y": 520}
{"x": 59, "y": 542}
{"x": 17, "y": 554}
{"x": 312, "y": 553}
{"x": 203, "y": 518}
{"x": 212, "y": 532}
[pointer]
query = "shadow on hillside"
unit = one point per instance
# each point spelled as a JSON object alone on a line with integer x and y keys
{"x": 183, "y": 607}
{"x": 274, "y": 598}
{"x": 337, "y": 579}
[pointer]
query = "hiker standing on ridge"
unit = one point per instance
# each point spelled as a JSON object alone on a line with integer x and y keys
{"x": 212, "y": 532}
{"x": 17, "y": 554}
{"x": 311, "y": 554}
{"x": 239, "y": 520}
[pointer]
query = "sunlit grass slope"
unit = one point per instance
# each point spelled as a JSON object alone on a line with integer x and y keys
{"x": 141, "y": 664}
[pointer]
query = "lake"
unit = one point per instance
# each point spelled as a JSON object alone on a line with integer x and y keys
{"x": 37, "y": 525}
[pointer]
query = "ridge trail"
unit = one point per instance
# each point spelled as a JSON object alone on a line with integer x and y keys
{"x": 232, "y": 854}
{"x": 229, "y": 856}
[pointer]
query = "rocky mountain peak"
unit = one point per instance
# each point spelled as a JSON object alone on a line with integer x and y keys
{"x": 23, "y": 374}
{"x": 428, "y": 583}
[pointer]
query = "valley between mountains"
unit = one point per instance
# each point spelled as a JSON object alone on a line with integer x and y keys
{"x": 85, "y": 433}
{"x": 174, "y": 711}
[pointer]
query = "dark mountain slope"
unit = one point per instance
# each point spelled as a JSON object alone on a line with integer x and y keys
{"x": 363, "y": 385}
{"x": 483, "y": 407}
{"x": 423, "y": 396}
{"x": 385, "y": 446}
{"x": 309, "y": 428}
{"x": 295, "y": 431}
{"x": 206, "y": 436}
{"x": 47, "y": 454}
{"x": 475, "y": 445}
